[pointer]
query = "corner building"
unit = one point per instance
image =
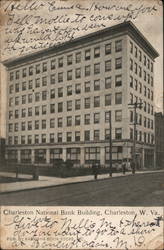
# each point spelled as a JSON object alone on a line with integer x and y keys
{"x": 60, "y": 100}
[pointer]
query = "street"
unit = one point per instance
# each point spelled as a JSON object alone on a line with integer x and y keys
{"x": 138, "y": 190}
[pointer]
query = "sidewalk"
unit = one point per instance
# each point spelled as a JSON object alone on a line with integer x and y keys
{"x": 46, "y": 181}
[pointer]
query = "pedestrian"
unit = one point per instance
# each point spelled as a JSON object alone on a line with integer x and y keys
{"x": 95, "y": 170}
{"x": 133, "y": 167}
{"x": 124, "y": 167}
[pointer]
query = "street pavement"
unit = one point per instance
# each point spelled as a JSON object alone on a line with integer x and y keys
{"x": 141, "y": 189}
{"x": 46, "y": 181}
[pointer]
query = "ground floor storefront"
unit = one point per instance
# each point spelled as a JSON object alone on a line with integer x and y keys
{"x": 82, "y": 154}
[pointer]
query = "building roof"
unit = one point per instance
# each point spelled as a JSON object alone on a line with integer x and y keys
{"x": 123, "y": 28}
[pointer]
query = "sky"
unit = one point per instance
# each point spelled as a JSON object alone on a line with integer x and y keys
{"x": 149, "y": 24}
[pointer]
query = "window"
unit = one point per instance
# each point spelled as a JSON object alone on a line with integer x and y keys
{"x": 44, "y": 95}
{"x": 97, "y": 101}
{"x": 24, "y": 72}
{"x": 96, "y": 118}
{"x": 78, "y": 57}
{"x": 36, "y": 138}
{"x": 10, "y": 140}
{"x": 87, "y": 135}
{"x": 148, "y": 63}
{"x": 87, "y": 54}
{"x": 53, "y": 64}
{"x": 60, "y": 139}
{"x": 23, "y": 86}
{"x": 152, "y": 110}
{"x": 29, "y": 139}
{"x": 29, "y": 111}
{"x": 10, "y": 127}
{"x": 118, "y": 46}
{"x": 118, "y": 115}
{"x": 145, "y": 60}
{"x": 17, "y": 74}
{"x": 77, "y": 120}
{"x": 144, "y": 75}
{"x": 145, "y": 105}
{"x": 151, "y": 67}
{"x": 11, "y": 101}
{"x": 107, "y": 134}
{"x": 148, "y": 93}
{"x": 69, "y": 136}
{"x": 16, "y": 113}
{"x": 15, "y": 140}
{"x": 23, "y": 112}
{"x": 97, "y": 68}
{"x": 108, "y": 48}
{"x": 69, "y": 90}
{"x": 118, "y": 80}
{"x": 37, "y": 124}
{"x": 97, "y": 85}
{"x": 78, "y": 88}
{"x": 17, "y": 87}
{"x": 87, "y": 119}
{"x": 145, "y": 90}
{"x": 60, "y": 107}
{"x": 87, "y": 70}
{"x": 29, "y": 125}
{"x": 23, "y": 141}
{"x": 131, "y": 116}
{"x": 77, "y": 135}
{"x": 107, "y": 116}
{"x": 140, "y": 56}
{"x": 118, "y": 63}
{"x": 78, "y": 73}
{"x": 60, "y": 62}
{"x": 52, "y": 108}
{"x": 69, "y": 75}
{"x": 131, "y": 47}
{"x": 16, "y": 127}
{"x": 69, "y": 60}
{"x": 96, "y": 52}
{"x": 96, "y": 135}
{"x": 52, "y": 93}
{"x": 118, "y": 98}
{"x": 131, "y": 98}
{"x": 44, "y": 110}
{"x": 11, "y": 89}
{"x": 131, "y": 81}
{"x": 37, "y": 68}
{"x": 131, "y": 64}
{"x": 118, "y": 133}
{"x": 43, "y": 138}
{"x": 108, "y": 82}
{"x": 136, "y": 84}
{"x": 29, "y": 98}
{"x": 77, "y": 104}
{"x": 52, "y": 79}
{"x": 69, "y": 105}
{"x": 60, "y": 92}
{"x": 37, "y": 82}
{"x": 108, "y": 99}
{"x": 44, "y": 81}
{"x": 108, "y": 65}
{"x": 10, "y": 114}
{"x": 37, "y": 110}
{"x": 135, "y": 68}
{"x": 87, "y": 102}
{"x": 69, "y": 121}
{"x": 140, "y": 119}
{"x": 23, "y": 99}
{"x": 87, "y": 87}
{"x": 52, "y": 123}
{"x": 152, "y": 95}
{"x": 52, "y": 138}
{"x": 60, "y": 122}
{"x": 152, "y": 81}
{"x": 44, "y": 67}
{"x": 136, "y": 51}
{"x": 60, "y": 77}
{"x": 11, "y": 76}
{"x": 148, "y": 78}
{"x": 30, "y": 84}
{"x": 148, "y": 108}
{"x": 140, "y": 87}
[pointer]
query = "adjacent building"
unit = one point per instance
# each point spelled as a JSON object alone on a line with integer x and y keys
{"x": 159, "y": 140}
{"x": 60, "y": 100}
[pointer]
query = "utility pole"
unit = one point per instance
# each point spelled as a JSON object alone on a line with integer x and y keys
{"x": 135, "y": 106}
{"x": 110, "y": 142}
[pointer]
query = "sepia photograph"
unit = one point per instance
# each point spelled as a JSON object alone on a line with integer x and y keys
{"x": 82, "y": 120}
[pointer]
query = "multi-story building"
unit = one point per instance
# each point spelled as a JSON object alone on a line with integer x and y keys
{"x": 159, "y": 139}
{"x": 60, "y": 99}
